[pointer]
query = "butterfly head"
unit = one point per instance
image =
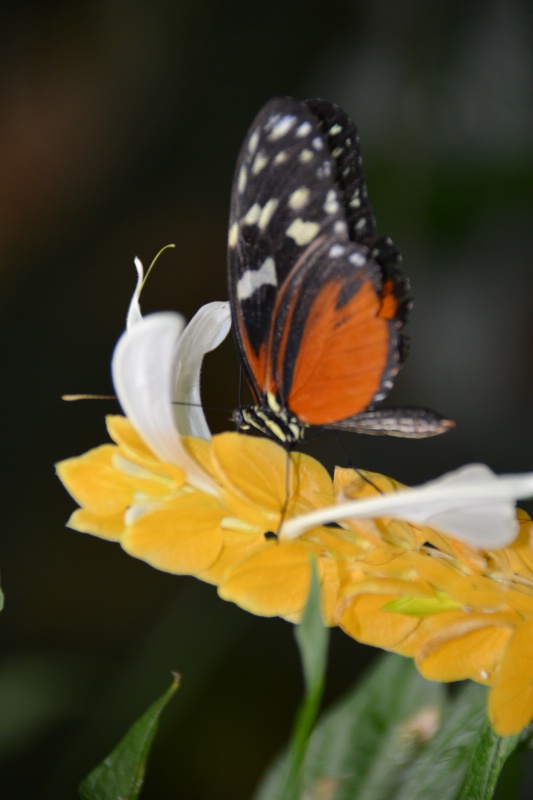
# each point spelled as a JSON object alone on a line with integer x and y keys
{"x": 270, "y": 419}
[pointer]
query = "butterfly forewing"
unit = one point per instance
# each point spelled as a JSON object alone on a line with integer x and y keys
{"x": 284, "y": 199}
{"x": 342, "y": 140}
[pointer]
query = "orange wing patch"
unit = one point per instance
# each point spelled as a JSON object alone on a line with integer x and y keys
{"x": 389, "y": 301}
{"x": 343, "y": 354}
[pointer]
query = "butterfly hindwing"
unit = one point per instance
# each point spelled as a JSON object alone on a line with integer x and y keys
{"x": 334, "y": 345}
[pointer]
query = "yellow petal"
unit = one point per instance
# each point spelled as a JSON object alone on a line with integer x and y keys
{"x": 255, "y": 469}
{"x": 392, "y": 586}
{"x": 363, "y": 483}
{"x": 460, "y": 645}
{"x": 182, "y": 537}
{"x": 238, "y": 545}
{"x": 364, "y": 619}
{"x": 511, "y": 698}
{"x": 200, "y": 450}
{"x": 109, "y": 527}
{"x": 518, "y": 558}
{"x": 272, "y": 582}
{"x": 133, "y": 447}
{"x": 124, "y": 434}
{"x": 94, "y": 483}
{"x": 312, "y": 483}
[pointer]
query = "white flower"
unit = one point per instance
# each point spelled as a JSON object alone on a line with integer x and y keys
{"x": 471, "y": 504}
{"x": 156, "y": 373}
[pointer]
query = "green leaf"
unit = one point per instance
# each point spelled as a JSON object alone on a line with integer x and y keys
{"x": 441, "y": 767}
{"x": 121, "y": 775}
{"x": 397, "y": 736}
{"x": 487, "y": 758}
{"x": 365, "y": 745}
{"x": 312, "y": 638}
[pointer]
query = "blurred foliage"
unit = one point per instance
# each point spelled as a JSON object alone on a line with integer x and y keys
{"x": 119, "y": 131}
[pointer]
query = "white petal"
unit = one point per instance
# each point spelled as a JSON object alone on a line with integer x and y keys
{"x": 471, "y": 504}
{"x": 143, "y": 375}
{"x": 206, "y": 330}
{"x": 134, "y": 311}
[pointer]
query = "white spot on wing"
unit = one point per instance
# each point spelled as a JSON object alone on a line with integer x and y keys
{"x": 357, "y": 259}
{"x": 272, "y": 121}
{"x": 331, "y": 204}
{"x": 336, "y": 250}
{"x": 335, "y": 129}
{"x": 299, "y": 198}
{"x": 303, "y": 129}
{"x": 317, "y": 143}
{"x": 340, "y": 226}
{"x": 281, "y": 127}
{"x": 252, "y": 215}
{"x": 233, "y": 235}
{"x": 253, "y": 142}
{"x": 241, "y": 185}
{"x": 266, "y": 213}
{"x": 337, "y": 152}
{"x": 254, "y": 279}
{"x": 305, "y": 156}
{"x": 260, "y": 161}
{"x": 302, "y": 232}
{"x": 280, "y": 157}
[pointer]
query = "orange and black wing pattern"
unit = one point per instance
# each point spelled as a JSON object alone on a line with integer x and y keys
{"x": 318, "y": 303}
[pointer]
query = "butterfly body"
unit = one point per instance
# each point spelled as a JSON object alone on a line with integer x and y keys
{"x": 318, "y": 303}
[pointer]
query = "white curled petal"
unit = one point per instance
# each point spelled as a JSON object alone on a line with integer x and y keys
{"x": 471, "y": 504}
{"x": 143, "y": 375}
{"x": 206, "y": 330}
{"x": 134, "y": 310}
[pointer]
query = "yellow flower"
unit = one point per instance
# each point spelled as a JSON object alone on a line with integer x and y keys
{"x": 435, "y": 573}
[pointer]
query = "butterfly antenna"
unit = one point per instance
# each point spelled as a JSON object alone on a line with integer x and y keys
{"x": 70, "y": 398}
{"x": 224, "y": 409}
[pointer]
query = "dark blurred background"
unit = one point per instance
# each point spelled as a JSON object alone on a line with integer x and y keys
{"x": 119, "y": 129}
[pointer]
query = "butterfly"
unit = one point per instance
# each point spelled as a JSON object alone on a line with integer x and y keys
{"x": 317, "y": 300}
